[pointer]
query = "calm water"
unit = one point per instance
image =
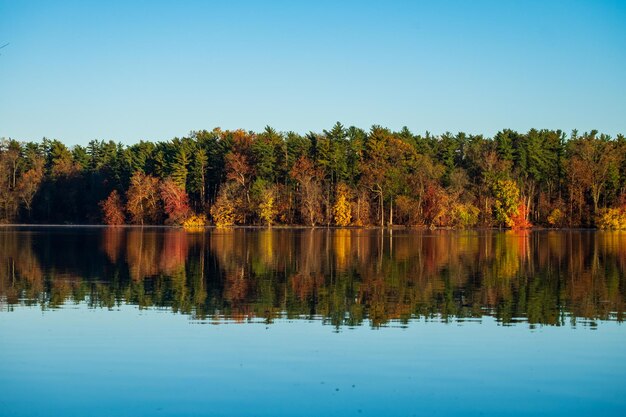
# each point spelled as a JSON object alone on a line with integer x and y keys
{"x": 161, "y": 322}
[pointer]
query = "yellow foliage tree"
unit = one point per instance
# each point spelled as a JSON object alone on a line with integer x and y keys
{"x": 612, "y": 219}
{"x": 195, "y": 221}
{"x": 267, "y": 208}
{"x": 464, "y": 215}
{"x": 507, "y": 195}
{"x": 223, "y": 212}
{"x": 556, "y": 217}
{"x": 342, "y": 209}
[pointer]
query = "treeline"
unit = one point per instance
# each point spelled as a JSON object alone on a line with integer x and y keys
{"x": 343, "y": 177}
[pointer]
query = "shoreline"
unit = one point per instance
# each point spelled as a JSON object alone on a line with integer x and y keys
{"x": 301, "y": 227}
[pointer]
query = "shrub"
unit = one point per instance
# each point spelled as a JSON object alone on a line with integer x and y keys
{"x": 113, "y": 209}
{"x": 611, "y": 219}
{"x": 195, "y": 221}
{"x": 223, "y": 213}
{"x": 464, "y": 215}
{"x": 556, "y": 217}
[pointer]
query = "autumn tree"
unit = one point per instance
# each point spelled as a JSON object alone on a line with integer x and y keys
{"x": 240, "y": 172}
{"x": 592, "y": 162}
{"x": 113, "y": 209}
{"x": 342, "y": 209}
{"x": 509, "y": 209}
{"x": 267, "y": 206}
{"x": 408, "y": 210}
{"x": 422, "y": 176}
{"x": 464, "y": 215}
{"x": 435, "y": 205}
{"x": 534, "y": 158}
{"x": 28, "y": 185}
{"x": 519, "y": 219}
{"x": 175, "y": 202}
{"x": 376, "y": 165}
{"x": 223, "y": 211}
{"x": 308, "y": 177}
{"x": 143, "y": 200}
{"x": 611, "y": 219}
{"x": 361, "y": 207}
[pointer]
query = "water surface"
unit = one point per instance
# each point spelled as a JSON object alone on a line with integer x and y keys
{"x": 130, "y": 321}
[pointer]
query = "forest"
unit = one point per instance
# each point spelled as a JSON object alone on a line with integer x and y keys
{"x": 345, "y": 176}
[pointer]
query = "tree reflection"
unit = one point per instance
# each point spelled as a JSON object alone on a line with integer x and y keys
{"x": 344, "y": 277}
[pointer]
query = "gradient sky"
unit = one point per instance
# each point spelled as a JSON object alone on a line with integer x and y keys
{"x": 153, "y": 70}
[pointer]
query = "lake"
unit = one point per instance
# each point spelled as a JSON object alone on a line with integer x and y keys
{"x": 299, "y": 322}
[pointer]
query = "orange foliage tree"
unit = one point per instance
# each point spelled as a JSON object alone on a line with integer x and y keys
{"x": 434, "y": 205}
{"x": 29, "y": 183}
{"x": 175, "y": 202}
{"x": 143, "y": 199}
{"x": 519, "y": 219}
{"x": 407, "y": 210}
{"x": 308, "y": 177}
{"x": 113, "y": 209}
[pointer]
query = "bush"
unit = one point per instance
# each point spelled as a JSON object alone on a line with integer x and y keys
{"x": 611, "y": 219}
{"x": 223, "y": 213}
{"x": 556, "y": 218}
{"x": 464, "y": 215}
{"x": 519, "y": 219}
{"x": 195, "y": 221}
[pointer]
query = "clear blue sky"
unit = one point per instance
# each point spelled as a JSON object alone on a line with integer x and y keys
{"x": 78, "y": 71}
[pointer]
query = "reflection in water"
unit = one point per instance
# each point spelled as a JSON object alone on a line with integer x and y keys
{"x": 344, "y": 277}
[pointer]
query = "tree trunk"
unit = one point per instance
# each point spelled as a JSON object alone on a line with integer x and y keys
{"x": 382, "y": 211}
{"x": 595, "y": 194}
{"x": 202, "y": 193}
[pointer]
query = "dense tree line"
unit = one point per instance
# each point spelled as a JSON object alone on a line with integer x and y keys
{"x": 342, "y": 176}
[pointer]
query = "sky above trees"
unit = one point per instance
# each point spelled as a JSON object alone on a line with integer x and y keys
{"x": 78, "y": 71}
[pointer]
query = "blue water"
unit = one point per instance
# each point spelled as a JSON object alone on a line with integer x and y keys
{"x": 118, "y": 322}
{"x": 77, "y": 361}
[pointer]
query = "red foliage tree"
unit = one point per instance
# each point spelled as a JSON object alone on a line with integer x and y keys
{"x": 113, "y": 209}
{"x": 433, "y": 208}
{"x": 520, "y": 220}
{"x": 175, "y": 202}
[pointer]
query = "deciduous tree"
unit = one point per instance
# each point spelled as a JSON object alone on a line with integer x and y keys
{"x": 308, "y": 177}
{"x": 175, "y": 202}
{"x": 113, "y": 209}
{"x": 342, "y": 209}
{"x": 143, "y": 201}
